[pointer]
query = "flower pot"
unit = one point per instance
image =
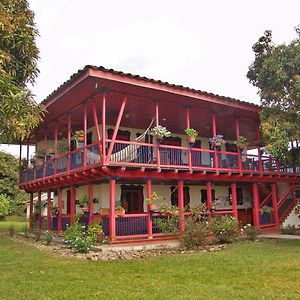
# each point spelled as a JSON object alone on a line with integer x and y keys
{"x": 191, "y": 139}
{"x": 120, "y": 212}
{"x": 151, "y": 207}
{"x": 241, "y": 150}
{"x": 80, "y": 139}
{"x": 85, "y": 209}
{"x": 104, "y": 212}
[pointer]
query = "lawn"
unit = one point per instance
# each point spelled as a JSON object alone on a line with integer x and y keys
{"x": 263, "y": 270}
{"x": 19, "y": 222}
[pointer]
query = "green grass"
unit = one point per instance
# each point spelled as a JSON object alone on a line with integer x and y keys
{"x": 264, "y": 270}
{"x": 18, "y": 221}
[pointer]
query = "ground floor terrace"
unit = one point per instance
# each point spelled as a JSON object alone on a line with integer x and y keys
{"x": 265, "y": 205}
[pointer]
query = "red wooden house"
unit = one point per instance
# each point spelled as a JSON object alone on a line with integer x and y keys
{"x": 119, "y": 161}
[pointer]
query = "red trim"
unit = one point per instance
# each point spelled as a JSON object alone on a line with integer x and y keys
{"x": 59, "y": 216}
{"x": 181, "y": 206}
{"x": 188, "y": 119}
{"x": 116, "y": 129}
{"x": 85, "y": 133}
{"x": 103, "y": 128}
{"x": 30, "y": 210}
{"x": 91, "y": 204}
{"x": 69, "y": 141}
{"x": 73, "y": 203}
{"x": 275, "y": 204}
{"x": 209, "y": 197}
{"x": 48, "y": 210}
{"x": 234, "y": 200}
{"x": 149, "y": 218}
{"x": 40, "y": 207}
{"x": 255, "y": 196}
{"x": 112, "y": 213}
{"x": 96, "y": 123}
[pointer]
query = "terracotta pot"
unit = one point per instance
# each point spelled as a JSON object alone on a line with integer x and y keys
{"x": 152, "y": 207}
{"x": 191, "y": 139}
{"x": 120, "y": 212}
{"x": 104, "y": 212}
{"x": 85, "y": 209}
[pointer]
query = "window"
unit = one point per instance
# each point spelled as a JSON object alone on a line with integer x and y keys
{"x": 204, "y": 195}
{"x": 186, "y": 196}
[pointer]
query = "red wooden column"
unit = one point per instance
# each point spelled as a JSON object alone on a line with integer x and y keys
{"x": 149, "y": 219}
{"x": 112, "y": 212}
{"x": 214, "y": 132}
{"x": 181, "y": 206}
{"x": 49, "y": 210}
{"x": 96, "y": 123}
{"x": 116, "y": 129}
{"x": 91, "y": 204}
{"x": 103, "y": 128}
{"x": 188, "y": 125}
{"x": 237, "y": 130}
{"x": 156, "y": 124}
{"x": 84, "y": 132}
{"x": 30, "y": 210}
{"x": 73, "y": 203}
{"x": 46, "y": 151}
{"x": 275, "y": 203}
{"x": 55, "y": 146}
{"x": 69, "y": 142}
{"x": 209, "y": 198}
{"x": 255, "y": 196}
{"x": 260, "y": 165}
{"x": 40, "y": 208}
{"x": 59, "y": 205}
{"x": 234, "y": 200}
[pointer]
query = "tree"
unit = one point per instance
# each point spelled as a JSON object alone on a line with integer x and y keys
{"x": 4, "y": 206}
{"x": 276, "y": 73}
{"x": 19, "y": 113}
{"x": 9, "y": 172}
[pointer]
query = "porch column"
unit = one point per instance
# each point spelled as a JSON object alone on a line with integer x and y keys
{"x": 59, "y": 205}
{"x": 237, "y": 130}
{"x": 49, "y": 210}
{"x": 209, "y": 198}
{"x": 73, "y": 203}
{"x": 149, "y": 218}
{"x": 96, "y": 123}
{"x": 46, "y": 151}
{"x": 181, "y": 206}
{"x": 55, "y": 146}
{"x": 103, "y": 128}
{"x": 112, "y": 212}
{"x": 255, "y": 197}
{"x": 275, "y": 203}
{"x": 40, "y": 208}
{"x": 91, "y": 204}
{"x": 30, "y": 210}
{"x": 260, "y": 165}
{"x": 234, "y": 200}
{"x": 85, "y": 133}
{"x": 157, "y": 152}
{"x": 69, "y": 142}
{"x": 214, "y": 132}
{"x": 188, "y": 125}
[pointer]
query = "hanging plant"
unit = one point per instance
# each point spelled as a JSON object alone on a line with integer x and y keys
{"x": 217, "y": 140}
{"x": 160, "y": 131}
{"x": 241, "y": 142}
{"x": 192, "y": 134}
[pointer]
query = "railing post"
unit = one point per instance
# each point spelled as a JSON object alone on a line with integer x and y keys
{"x": 73, "y": 203}
{"x": 40, "y": 208}
{"x": 59, "y": 205}
{"x": 103, "y": 128}
{"x": 255, "y": 196}
{"x": 149, "y": 218}
{"x": 112, "y": 212}
{"x": 55, "y": 145}
{"x": 275, "y": 203}
{"x": 30, "y": 210}
{"x": 181, "y": 206}
{"x": 91, "y": 204}
{"x": 234, "y": 200}
{"x": 209, "y": 198}
{"x": 85, "y": 133}
{"x": 69, "y": 144}
{"x": 48, "y": 210}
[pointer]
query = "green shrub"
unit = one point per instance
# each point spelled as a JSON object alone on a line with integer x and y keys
{"x": 49, "y": 238}
{"x": 225, "y": 228}
{"x": 37, "y": 234}
{"x": 81, "y": 238}
{"x": 4, "y": 206}
{"x": 251, "y": 232}
{"x": 196, "y": 233}
{"x": 289, "y": 229}
{"x": 11, "y": 229}
{"x": 26, "y": 231}
{"x": 168, "y": 225}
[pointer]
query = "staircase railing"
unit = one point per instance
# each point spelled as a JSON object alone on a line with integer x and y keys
{"x": 286, "y": 203}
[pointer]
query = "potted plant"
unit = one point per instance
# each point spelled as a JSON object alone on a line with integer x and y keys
{"x": 160, "y": 132}
{"x": 62, "y": 146}
{"x": 192, "y": 134}
{"x": 83, "y": 203}
{"x": 104, "y": 212}
{"x": 40, "y": 153}
{"x": 79, "y": 135}
{"x": 119, "y": 210}
{"x": 54, "y": 210}
{"x": 217, "y": 141}
{"x": 241, "y": 143}
{"x": 151, "y": 201}
{"x": 33, "y": 160}
{"x": 266, "y": 210}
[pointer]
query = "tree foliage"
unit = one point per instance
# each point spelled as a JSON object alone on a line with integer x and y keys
{"x": 276, "y": 73}
{"x": 19, "y": 113}
{"x": 9, "y": 172}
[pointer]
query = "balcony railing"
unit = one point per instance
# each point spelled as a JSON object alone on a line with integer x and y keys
{"x": 139, "y": 154}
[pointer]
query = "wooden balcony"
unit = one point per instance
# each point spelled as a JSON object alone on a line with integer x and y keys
{"x": 139, "y": 155}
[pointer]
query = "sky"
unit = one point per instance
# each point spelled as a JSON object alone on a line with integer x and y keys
{"x": 206, "y": 45}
